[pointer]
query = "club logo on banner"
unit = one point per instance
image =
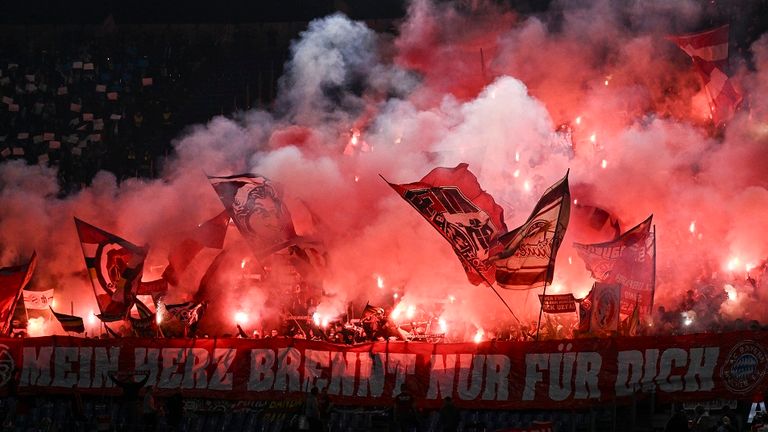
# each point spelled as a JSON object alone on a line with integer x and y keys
{"x": 744, "y": 367}
{"x": 7, "y": 365}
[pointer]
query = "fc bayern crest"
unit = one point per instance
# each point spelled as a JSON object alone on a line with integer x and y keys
{"x": 7, "y": 365}
{"x": 745, "y": 367}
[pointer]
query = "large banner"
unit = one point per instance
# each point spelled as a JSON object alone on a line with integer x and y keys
{"x": 489, "y": 375}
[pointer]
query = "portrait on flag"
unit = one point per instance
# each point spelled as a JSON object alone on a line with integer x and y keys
{"x": 257, "y": 209}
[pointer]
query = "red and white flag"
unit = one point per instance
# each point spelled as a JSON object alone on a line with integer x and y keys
{"x": 453, "y": 202}
{"x": 209, "y": 234}
{"x": 709, "y": 52}
{"x": 528, "y": 256}
{"x": 12, "y": 281}
{"x": 115, "y": 267}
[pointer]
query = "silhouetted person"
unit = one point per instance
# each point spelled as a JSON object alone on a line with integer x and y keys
{"x": 449, "y": 416}
{"x": 174, "y": 412}
{"x": 678, "y": 422}
{"x": 130, "y": 408}
{"x": 405, "y": 414}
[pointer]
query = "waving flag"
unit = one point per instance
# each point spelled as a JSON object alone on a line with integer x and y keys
{"x": 36, "y": 302}
{"x": 12, "y": 282}
{"x": 627, "y": 261}
{"x": 210, "y": 234}
{"x": 453, "y": 202}
{"x": 115, "y": 267}
{"x": 254, "y": 204}
{"x": 69, "y": 323}
{"x": 528, "y": 256}
{"x": 188, "y": 312}
{"x": 709, "y": 52}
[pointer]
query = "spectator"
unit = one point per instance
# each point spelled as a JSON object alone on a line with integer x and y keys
{"x": 449, "y": 416}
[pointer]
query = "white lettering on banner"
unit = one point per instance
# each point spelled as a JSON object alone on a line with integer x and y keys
{"x": 222, "y": 379}
{"x": 170, "y": 376}
{"x": 105, "y": 363}
{"x": 343, "y": 366}
{"x": 588, "y": 366}
{"x": 36, "y": 367}
{"x": 636, "y": 369}
{"x": 497, "y": 368}
{"x": 441, "y": 375}
{"x": 64, "y": 376}
{"x": 71, "y": 366}
{"x": 287, "y": 376}
{"x": 195, "y": 375}
{"x": 702, "y": 366}
{"x": 561, "y": 365}
{"x": 262, "y": 377}
{"x": 562, "y": 381}
{"x": 146, "y": 360}
{"x": 86, "y": 353}
{"x": 401, "y": 365}
{"x": 470, "y": 376}
{"x": 313, "y": 362}
{"x": 371, "y": 381}
{"x": 629, "y": 372}
{"x": 673, "y": 357}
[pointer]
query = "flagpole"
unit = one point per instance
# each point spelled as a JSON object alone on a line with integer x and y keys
{"x": 653, "y": 290}
{"x": 551, "y": 264}
{"x": 541, "y": 310}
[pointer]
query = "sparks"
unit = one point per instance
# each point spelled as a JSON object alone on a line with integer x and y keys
{"x": 517, "y": 156}
{"x": 692, "y": 227}
{"x": 443, "y": 325}
{"x": 570, "y": 260}
{"x": 593, "y": 138}
{"x": 730, "y": 290}
{"x": 479, "y": 336}
{"x": 527, "y": 186}
{"x": 410, "y": 312}
{"x": 396, "y": 311}
{"x": 516, "y": 174}
{"x": 242, "y": 264}
{"x": 241, "y": 317}
{"x": 357, "y": 179}
{"x": 91, "y": 318}
{"x": 732, "y": 264}
{"x": 604, "y": 164}
{"x": 395, "y": 295}
{"x": 316, "y": 318}
{"x": 379, "y": 281}
{"x": 451, "y": 299}
{"x": 578, "y": 120}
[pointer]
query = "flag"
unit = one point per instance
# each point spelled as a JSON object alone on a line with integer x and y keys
{"x": 69, "y": 323}
{"x": 371, "y": 310}
{"x": 453, "y": 202}
{"x": 593, "y": 224}
{"x": 628, "y": 261}
{"x": 36, "y": 302}
{"x": 604, "y": 317}
{"x": 210, "y": 234}
{"x": 145, "y": 325}
{"x": 115, "y": 267}
{"x": 528, "y": 253}
{"x": 585, "y": 313}
{"x": 12, "y": 281}
{"x": 255, "y": 205}
{"x": 557, "y": 303}
{"x": 156, "y": 288}
{"x": 709, "y": 52}
{"x": 188, "y": 312}
{"x": 631, "y": 324}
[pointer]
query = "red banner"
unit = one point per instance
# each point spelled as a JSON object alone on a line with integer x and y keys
{"x": 490, "y": 375}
